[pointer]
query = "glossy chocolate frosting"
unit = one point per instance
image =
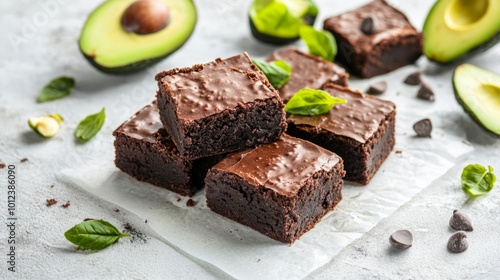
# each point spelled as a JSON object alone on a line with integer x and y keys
{"x": 388, "y": 22}
{"x": 143, "y": 125}
{"x": 282, "y": 166}
{"x": 210, "y": 88}
{"x": 359, "y": 119}
{"x": 307, "y": 71}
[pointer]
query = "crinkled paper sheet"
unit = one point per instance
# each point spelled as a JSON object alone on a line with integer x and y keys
{"x": 246, "y": 254}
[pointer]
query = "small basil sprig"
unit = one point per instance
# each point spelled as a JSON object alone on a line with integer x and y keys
{"x": 320, "y": 43}
{"x": 312, "y": 102}
{"x": 94, "y": 234}
{"x": 277, "y": 72}
{"x": 477, "y": 180}
{"x": 89, "y": 126}
{"x": 56, "y": 89}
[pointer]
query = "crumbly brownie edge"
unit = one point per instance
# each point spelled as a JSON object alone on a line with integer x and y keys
{"x": 167, "y": 109}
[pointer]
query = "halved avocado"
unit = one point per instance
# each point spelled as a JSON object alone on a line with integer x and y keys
{"x": 461, "y": 28}
{"x": 478, "y": 92}
{"x": 278, "y": 21}
{"x": 113, "y": 47}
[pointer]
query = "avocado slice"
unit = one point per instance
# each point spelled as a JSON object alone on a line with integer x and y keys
{"x": 113, "y": 47}
{"x": 478, "y": 92}
{"x": 457, "y": 29}
{"x": 278, "y": 21}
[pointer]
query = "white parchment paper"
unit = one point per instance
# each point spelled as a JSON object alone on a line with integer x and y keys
{"x": 246, "y": 254}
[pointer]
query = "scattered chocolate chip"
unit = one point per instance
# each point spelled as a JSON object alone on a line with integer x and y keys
{"x": 88, "y": 219}
{"x": 66, "y": 205}
{"x": 2, "y": 165}
{"x": 24, "y": 159}
{"x": 49, "y": 202}
{"x": 367, "y": 26}
{"x": 190, "y": 203}
{"x": 425, "y": 93}
{"x": 458, "y": 242}
{"x": 401, "y": 239}
{"x": 460, "y": 221}
{"x": 423, "y": 128}
{"x": 414, "y": 79}
{"x": 377, "y": 88}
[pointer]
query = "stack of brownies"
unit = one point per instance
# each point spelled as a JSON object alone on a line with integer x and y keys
{"x": 221, "y": 125}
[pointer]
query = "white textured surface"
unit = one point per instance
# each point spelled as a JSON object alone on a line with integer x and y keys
{"x": 49, "y": 49}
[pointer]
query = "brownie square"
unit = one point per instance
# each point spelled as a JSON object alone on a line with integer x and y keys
{"x": 386, "y": 43}
{"x": 361, "y": 132}
{"x": 308, "y": 71}
{"x": 281, "y": 189}
{"x": 219, "y": 107}
{"x": 144, "y": 150}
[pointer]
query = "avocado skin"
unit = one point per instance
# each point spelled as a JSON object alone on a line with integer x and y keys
{"x": 473, "y": 52}
{"x": 467, "y": 109}
{"x": 309, "y": 20}
{"x": 129, "y": 68}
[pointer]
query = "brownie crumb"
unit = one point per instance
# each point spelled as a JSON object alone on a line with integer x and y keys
{"x": 178, "y": 199}
{"x": 51, "y": 186}
{"x": 423, "y": 128}
{"x": 367, "y": 26}
{"x": 466, "y": 142}
{"x": 414, "y": 79}
{"x": 66, "y": 205}
{"x": 2, "y": 165}
{"x": 49, "y": 202}
{"x": 377, "y": 88}
{"x": 135, "y": 235}
{"x": 88, "y": 219}
{"x": 116, "y": 210}
{"x": 399, "y": 152}
{"x": 258, "y": 260}
{"x": 24, "y": 159}
{"x": 190, "y": 203}
{"x": 146, "y": 221}
{"x": 426, "y": 93}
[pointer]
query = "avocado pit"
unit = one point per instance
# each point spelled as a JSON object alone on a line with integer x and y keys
{"x": 145, "y": 17}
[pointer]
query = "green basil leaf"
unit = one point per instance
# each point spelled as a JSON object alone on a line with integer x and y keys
{"x": 94, "y": 234}
{"x": 277, "y": 72}
{"x": 89, "y": 127}
{"x": 274, "y": 18}
{"x": 56, "y": 89}
{"x": 477, "y": 180}
{"x": 320, "y": 43}
{"x": 312, "y": 102}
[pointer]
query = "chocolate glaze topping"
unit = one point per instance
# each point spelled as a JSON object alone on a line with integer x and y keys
{"x": 307, "y": 71}
{"x": 387, "y": 22}
{"x": 143, "y": 125}
{"x": 281, "y": 166}
{"x": 210, "y": 88}
{"x": 359, "y": 119}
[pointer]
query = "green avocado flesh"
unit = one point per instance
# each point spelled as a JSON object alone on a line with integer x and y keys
{"x": 461, "y": 28}
{"x": 111, "y": 49}
{"x": 278, "y": 21}
{"x": 478, "y": 91}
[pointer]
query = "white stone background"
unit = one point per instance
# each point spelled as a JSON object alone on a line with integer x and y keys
{"x": 39, "y": 42}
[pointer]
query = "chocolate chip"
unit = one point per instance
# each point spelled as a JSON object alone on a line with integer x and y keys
{"x": 367, "y": 26}
{"x": 401, "y": 239}
{"x": 458, "y": 242}
{"x": 423, "y": 128}
{"x": 190, "y": 203}
{"x": 460, "y": 221}
{"x": 377, "y": 88}
{"x": 413, "y": 79}
{"x": 425, "y": 93}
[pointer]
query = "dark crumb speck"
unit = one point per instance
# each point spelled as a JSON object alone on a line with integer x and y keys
{"x": 88, "y": 219}
{"x": 2, "y": 165}
{"x": 258, "y": 260}
{"x": 117, "y": 210}
{"x": 399, "y": 152}
{"x": 190, "y": 203}
{"x": 178, "y": 199}
{"x": 49, "y": 202}
{"x": 24, "y": 159}
{"x": 66, "y": 205}
{"x": 51, "y": 186}
{"x": 146, "y": 221}
{"x": 466, "y": 142}
{"x": 135, "y": 235}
